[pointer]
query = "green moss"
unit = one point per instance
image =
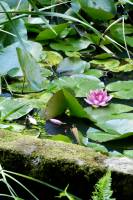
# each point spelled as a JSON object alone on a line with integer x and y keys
{"x": 6, "y": 135}
{"x": 57, "y": 163}
{"x": 49, "y": 150}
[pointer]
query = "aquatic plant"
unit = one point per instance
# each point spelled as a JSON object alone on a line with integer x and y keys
{"x": 98, "y": 98}
{"x": 103, "y": 188}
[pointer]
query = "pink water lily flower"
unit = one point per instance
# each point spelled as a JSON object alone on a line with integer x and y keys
{"x": 98, "y": 98}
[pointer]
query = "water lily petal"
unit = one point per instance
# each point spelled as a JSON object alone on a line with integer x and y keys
{"x": 98, "y": 98}
{"x": 56, "y": 121}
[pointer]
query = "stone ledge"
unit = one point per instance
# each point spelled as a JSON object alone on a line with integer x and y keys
{"x": 62, "y": 163}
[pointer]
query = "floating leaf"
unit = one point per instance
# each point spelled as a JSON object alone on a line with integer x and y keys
{"x": 107, "y": 64}
{"x": 120, "y": 85}
{"x": 97, "y": 147}
{"x": 60, "y": 137}
{"x": 80, "y": 84}
{"x": 94, "y": 72}
{"x": 49, "y": 34}
{"x": 126, "y": 68}
{"x": 72, "y": 66}
{"x": 123, "y": 94}
{"x": 74, "y": 54}
{"x": 99, "y": 9}
{"x": 122, "y": 127}
{"x": 20, "y": 87}
{"x": 51, "y": 58}
{"x": 128, "y": 153}
{"x": 70, "y": 44}
{"x": 46, "y": 72}
{"x": 14, "y": 108}
{"x": 123, "y": 89}
{"x": 100, "y": 136}
{"x": 74, "y": 106}
{"x": 112, "y": 130}
{"x": 12, "y": 127}
{"x": 108, "y": 111}
{"x": 117, "y": 33}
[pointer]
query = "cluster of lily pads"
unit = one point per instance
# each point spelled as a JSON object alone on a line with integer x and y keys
{"x": 70, "y": 78}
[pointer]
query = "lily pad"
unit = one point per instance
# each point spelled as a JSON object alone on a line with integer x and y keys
{"x": 47, "y": 33}
{"x": 33, "y": 48}
{"x": 51, "y": 58}
{"x": 80, "y": 84}
{"x": 72, "y": 66}
{"x": 122, "y": 127}
{"x": 99, "y": 114}
{"x": 14, "y": 108}
{"x": 99, "y": 9}
{"x": 94, "y": 72}
{"x": 107, "y": 64}
{"x": 100, "y": 136}
{"x": 120, "y": 86}
{"x": 70, "y": 44}
{"x": 20, "y": 87}
{"x": 60, "y": 102}
{"x": 123, "y": 94}
{"x": 117, "y": 33}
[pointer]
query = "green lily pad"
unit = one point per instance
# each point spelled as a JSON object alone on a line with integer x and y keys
{"x": 72, "y": 66}
{"x": 94, "y": 72}
{"x": 51, "y": 58}
{"x": 30, "y": 69}
{"x": 99, "y": 9}
{"x": 112, "y": 110}
{"x": 20, "y": 87}
{"x": 70, "y": 44}
{"x": 122, "y": 127}
{"x": 120, "y": 86}
{"x": 123, "y": 94}
{"x": 75, "y": 108}
{"x": 100, "y": 136}
{"x": 14, "y": 108}
{"x": 111, "y": 130}
{"x": 80, "y": 84}
{"x": 117, "y": 33}
{"x": 47, "y": 33}
{"x": 60, "y": 137}
{"x": 60, "y": 102}
{"x": 107, "y": 64}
